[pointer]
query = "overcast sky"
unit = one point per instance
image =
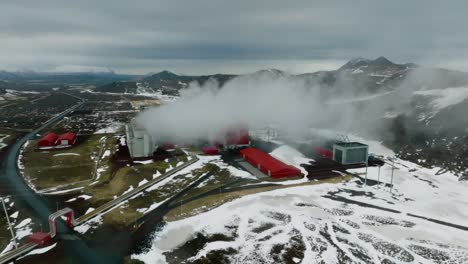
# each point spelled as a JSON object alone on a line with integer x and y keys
{"x": 210, "y": 36}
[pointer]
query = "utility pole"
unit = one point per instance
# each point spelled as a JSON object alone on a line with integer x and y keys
{"x": 9, "y": 223}
{"x": 365, "y": 181}
{"x": 393, "y": 169}
{"x": 268, "y": 133}
{"x": 180, "y": 208}
{"x": 378, "y": 177}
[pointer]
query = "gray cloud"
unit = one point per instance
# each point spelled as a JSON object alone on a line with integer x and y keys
{"x": 210, "y": 35}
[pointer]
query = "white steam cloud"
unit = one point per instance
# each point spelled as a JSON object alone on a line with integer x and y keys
{"x": 255, "y": 100}
{"x": 291, "y": 103}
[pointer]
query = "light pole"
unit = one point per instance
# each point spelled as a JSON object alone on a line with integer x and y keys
{"x": 391, "y": 180}
{"x": 9, "y": 223}
{"x": 365, "y": 181}
{"x": 378, "y": 177}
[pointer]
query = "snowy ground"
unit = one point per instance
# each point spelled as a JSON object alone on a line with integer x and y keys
{"x": 114, "y": 128}
{"x": 22, "y": 227}
{"x": 445, "y": 97}
{"x": 291, "y": 156}
{"x": 2, "y": 139}
{"x": 333, "y": 223}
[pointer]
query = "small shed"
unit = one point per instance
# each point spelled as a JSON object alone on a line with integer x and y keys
{"x": 66, "y": 139}
{"x": 40, "y": 238}
{"x": 48, "y": 140}
{"x": 350, "y": 152}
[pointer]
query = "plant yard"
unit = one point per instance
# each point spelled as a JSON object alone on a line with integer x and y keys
{"x": 61, "y": 169}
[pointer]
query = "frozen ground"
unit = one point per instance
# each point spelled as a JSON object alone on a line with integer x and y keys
{"x": 291, "y": 156}
{"x": 22, "y": 227}
{"x": 333, "y": 223}
{"x": 114, "y": 128}
{"x": 446, "y": 97}
{"x": 2, "y": 139}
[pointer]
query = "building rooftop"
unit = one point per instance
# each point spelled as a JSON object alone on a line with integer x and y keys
{"x": 350, "y": 144}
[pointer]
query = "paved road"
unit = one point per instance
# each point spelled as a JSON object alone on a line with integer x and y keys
{"x": 13, "y": 254}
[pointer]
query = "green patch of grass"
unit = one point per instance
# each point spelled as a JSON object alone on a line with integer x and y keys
{"x": 63, "y": 167}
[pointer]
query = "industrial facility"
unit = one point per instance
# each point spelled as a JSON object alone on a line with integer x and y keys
{"x": 140, "y": 143}
{"x": 267, "y": 164}
{"x": 350, "y": 152}
{"x": 327, "y": 156}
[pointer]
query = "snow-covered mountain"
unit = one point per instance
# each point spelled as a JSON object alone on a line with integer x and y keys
{"x": 164, "y": 82}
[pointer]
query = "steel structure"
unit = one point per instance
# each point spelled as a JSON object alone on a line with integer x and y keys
{"x": 70, "y": 220}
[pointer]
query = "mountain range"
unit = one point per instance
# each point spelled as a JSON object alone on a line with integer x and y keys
{"x": 418, "y": 111}
{"x": 356, "y": 77}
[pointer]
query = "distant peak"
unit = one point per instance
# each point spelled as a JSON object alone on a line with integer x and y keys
{"x": 270, "y": 71}
{"x": 358, "y": 60}
{"x": 382, "y": 60}
{"x": 165, "y": 73}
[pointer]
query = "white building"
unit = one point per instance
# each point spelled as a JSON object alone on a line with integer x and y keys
{"x": 140, "y": 143}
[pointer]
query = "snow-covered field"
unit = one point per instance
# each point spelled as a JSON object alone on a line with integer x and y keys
{"x": 333, "y": 223}
{"x": 2, "y": 139}
{"x": 114, "y": 128}
{"x": 22, "y": 227}
{"x": 446, "y": 97}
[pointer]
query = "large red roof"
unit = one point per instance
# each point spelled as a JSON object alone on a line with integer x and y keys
{"x": 48, "y": 140}
{"x": 268, "y": 164}
{"x": 211, "y": 150}
{"x": 70, "y": 136}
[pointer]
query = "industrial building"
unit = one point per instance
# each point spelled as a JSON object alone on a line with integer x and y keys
{"x": 210, "y": 150}
{"x": 140, "y": 143}
{"x": 350, "y": 152}
{"x": 267, "y": 164}
{"x": 236, "y": 137}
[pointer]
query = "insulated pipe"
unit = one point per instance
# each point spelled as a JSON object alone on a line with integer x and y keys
{"x": 68, "y": 213}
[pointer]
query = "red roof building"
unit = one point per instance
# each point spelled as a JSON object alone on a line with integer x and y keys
{"x": 66, "y": 139}
{"x": 268, "y": 164}
{"x": 48, "y": 140}
{"x": 40, "y": 238}
{"x": 324, "y": 152}
{"x": 211, "y": 150}
{"x": 239, "y": 136}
